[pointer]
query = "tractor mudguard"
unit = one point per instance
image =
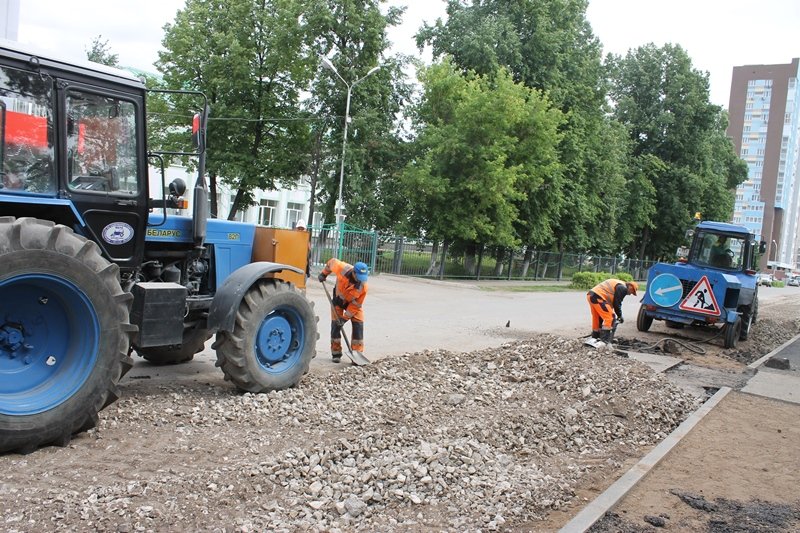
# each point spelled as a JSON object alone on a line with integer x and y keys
{"x": 731, "y": 315}
{"x": 222, "y": 313}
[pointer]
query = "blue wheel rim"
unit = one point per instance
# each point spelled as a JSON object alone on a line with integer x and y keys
{"x": 280, "y": 340}
{"x": 49, "y": 343}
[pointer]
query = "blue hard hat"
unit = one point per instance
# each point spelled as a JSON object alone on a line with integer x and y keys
{"x": 361, "y": 271}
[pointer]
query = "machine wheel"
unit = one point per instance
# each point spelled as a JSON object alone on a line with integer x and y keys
{"x": 273, "y": 340}
{"x": 64, "y": 342}
{"x": 749, "y": 315}
{"x": 732, "y": 332}
{"x": 643, "y": 320}
{"x": 194, "y": 340}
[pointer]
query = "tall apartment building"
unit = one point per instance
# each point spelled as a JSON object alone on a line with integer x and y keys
{"x": 764, "y": 124}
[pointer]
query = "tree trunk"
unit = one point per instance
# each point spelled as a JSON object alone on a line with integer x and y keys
{"x": 645, "y": 239}
{"x": 469, "y": 259}
{"x": 526, "y": 261}
{"x": 432, "y": 264}
{"x": 315, "y": 164}
{"x": 480, "y": 263}
{"x": 235, "y": 207}
{"x": 499, "y": 254}
{"x": 444, "y": 257}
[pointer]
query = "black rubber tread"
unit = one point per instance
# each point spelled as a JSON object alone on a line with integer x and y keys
{"x": 643, "y": 321}
{"x": 749, "y": 315}
{"x": 194, "y": 340}
{"x": 32, "y": 245}
{"x": 732, "y": 332}
{"x": 236, "y": 350}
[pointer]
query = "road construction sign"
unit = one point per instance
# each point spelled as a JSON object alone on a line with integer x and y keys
{"x": 701, "y": 299}
{"x": 665, "y": 290}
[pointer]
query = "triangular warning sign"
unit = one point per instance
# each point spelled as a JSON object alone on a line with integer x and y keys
{"x": 701, "y": 299}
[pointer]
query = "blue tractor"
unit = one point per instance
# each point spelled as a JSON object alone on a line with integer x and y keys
{"x": 712, "y": 283}
{"x": 92, "y": 268}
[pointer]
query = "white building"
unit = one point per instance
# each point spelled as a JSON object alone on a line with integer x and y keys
{"x": 280, "y": 208}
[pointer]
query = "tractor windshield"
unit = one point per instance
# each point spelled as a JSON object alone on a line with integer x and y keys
{"x": 718, "y": 250}
{"x": 27, "y": 132}
{"x": 101, "y": 144}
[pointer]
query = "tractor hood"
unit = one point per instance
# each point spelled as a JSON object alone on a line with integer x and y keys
{"x": 179, "y": 229}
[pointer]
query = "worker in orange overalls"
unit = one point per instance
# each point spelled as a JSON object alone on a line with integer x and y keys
{"x": 348, "y": 300}
{"x": 605, "y": 300}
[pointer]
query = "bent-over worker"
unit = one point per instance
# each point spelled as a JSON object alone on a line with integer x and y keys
{"x": 605, "y": 301}
{"x": 348, "y": 300}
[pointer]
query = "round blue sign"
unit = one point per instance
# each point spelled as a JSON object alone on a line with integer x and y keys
{"x": 665, "y": 290}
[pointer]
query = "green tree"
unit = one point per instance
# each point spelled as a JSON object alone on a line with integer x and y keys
{"x": 100, "y": 52}
{"x": 253, "y": 59}
{"x": 549, "y": 45}
{"x": 678, "y": 141}
{"x": 487, "y": 146}
{"x": 353, "y": 35}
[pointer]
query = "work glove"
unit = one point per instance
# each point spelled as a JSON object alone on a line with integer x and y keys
{"x": 620, "y": 320}
{"x": 322, "y": 277}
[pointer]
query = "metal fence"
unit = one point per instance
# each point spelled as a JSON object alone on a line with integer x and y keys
{"x": 408, "y": 257}
{"x": 344, "y": 242}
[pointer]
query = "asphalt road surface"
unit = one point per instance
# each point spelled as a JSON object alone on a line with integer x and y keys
{"x": 411, "y": 315}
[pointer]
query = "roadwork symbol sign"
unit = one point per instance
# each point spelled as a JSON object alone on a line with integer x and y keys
{"x": 701, "y": 299}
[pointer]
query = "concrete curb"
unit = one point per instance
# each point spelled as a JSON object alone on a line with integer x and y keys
{"x": 595, "y": 510}
{"x": 758, "y": 363}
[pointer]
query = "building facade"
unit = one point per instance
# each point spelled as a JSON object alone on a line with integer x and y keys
{"x": 764, "y": 124}
{"x": 279, "y": 208}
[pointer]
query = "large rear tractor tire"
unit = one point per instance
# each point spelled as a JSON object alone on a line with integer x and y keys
{"x": 643, "y": 320}
{"x": 64, "y": 334}
{"x": 273, "y": 340}
{"x": 732, "y": 332}
{"x": 194, "y": 340}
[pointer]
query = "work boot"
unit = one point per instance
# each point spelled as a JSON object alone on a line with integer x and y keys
{"x": 595, "y": 334}
{"x": 337, "y": 357}
{"x": 607, "y": 336}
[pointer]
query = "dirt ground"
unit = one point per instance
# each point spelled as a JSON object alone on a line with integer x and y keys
{"x": 516, "y": 431}
{"x": 738, "y": 471}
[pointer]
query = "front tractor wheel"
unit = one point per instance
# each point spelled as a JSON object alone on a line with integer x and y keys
{"x": 273, "y": 340}
{"x": 64, "y": 334}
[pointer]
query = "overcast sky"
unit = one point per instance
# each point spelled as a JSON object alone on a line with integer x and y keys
{"x": 718, "y": 34}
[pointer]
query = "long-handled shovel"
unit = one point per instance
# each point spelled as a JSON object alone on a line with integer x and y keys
{"x": 356, "y": 357}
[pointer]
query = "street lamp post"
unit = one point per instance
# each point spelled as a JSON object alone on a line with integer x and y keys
{"x": 339, "y": 205}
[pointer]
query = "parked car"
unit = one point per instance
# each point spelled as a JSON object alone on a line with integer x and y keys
{"x": 794, "y": 282}
{"x": 764, "y": 279}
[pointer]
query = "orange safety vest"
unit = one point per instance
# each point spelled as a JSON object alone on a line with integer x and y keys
{"x": 346, "y": 290}
{"x": 605, "y": 289}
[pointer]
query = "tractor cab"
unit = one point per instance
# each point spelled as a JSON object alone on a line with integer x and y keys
{"x": 723, "y": 246}
{"x": 73, "y": 149}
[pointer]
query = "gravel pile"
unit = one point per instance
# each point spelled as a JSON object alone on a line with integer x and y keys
{"x": 488, "y": 440}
